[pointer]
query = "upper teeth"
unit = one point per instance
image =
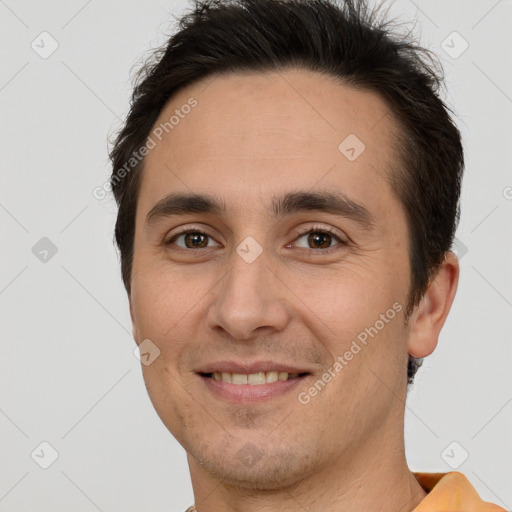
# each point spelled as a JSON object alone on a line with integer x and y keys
{"x": 253, "y": 378}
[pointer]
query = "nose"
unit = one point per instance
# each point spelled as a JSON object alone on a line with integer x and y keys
{"x": 250, "y": 299}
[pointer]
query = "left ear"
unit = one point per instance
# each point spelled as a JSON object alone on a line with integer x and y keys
{"x": 430, "y": 314}
{"x": 132, "y": 316}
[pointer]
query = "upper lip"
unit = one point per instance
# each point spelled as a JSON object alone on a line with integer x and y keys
{"x": 250, "y": 367}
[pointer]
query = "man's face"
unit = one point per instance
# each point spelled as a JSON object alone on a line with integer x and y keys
{"x": 270, "y": 292}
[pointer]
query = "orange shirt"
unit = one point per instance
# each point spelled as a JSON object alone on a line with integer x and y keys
{"x": 451, "y": 492}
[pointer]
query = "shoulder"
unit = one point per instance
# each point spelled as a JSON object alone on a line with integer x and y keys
{"x": 451, "y": 492}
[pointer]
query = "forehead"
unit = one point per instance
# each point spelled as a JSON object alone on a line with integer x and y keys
{"x": 251, "y": 135}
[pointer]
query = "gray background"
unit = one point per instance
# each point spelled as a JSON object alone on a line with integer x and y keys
{"x": 68, "y": 376}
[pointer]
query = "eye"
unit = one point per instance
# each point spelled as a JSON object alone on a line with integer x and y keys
{"x": 192, "y": 240}
{"x": 319, "y": 238}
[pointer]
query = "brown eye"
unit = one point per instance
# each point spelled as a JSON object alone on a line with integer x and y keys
{"x": 316, "y": 238}
{"x": 192, "y": 240}
{"x": 319, "y": 240}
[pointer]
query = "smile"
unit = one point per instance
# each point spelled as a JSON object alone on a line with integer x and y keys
{"x": 250, "y": 388}
{"x": 253, "y": 379}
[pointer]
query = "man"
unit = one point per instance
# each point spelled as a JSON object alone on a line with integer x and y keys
{"x": 288, "y": 184}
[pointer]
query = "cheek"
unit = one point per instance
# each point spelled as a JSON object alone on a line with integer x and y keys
{"x": 164, "y": 300}
{"x": 168, "y": 397}
{"x": 370, "y": 371}
{"x": 357, "y": 317}
{"x": 346, "y": 299}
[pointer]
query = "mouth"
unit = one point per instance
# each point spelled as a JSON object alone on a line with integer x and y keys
{"x": 250, "y": 388}
{"x": 253, "y": 379}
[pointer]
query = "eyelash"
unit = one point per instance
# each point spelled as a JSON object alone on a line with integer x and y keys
{"x": 313, "y": 229}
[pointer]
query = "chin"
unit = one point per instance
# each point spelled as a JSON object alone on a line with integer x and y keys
{"x": 253, "y": 470}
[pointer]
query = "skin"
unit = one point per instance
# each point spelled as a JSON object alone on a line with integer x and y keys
{"x": 250, "y": 137}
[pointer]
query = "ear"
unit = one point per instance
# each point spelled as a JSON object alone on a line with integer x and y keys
{"x": 134, "y": 328}
{"x": 430, "y": 314}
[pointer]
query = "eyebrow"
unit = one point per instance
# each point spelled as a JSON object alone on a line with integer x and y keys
{"x": 332, "y": 202}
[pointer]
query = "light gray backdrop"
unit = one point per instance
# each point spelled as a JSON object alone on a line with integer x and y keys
{"x": 68, "y": 376}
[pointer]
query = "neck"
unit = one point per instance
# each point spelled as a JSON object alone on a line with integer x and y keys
{"x": 373, "y": 478}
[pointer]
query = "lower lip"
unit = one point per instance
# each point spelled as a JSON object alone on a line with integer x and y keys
{"x": 248, "y": 393}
